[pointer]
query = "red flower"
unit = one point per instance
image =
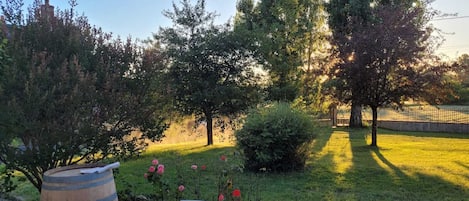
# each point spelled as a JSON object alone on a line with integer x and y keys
{"x": 203, "y": 167}
{"x": 223, "y": 157}
{"x": 236, "y": 193}
{"x": 221, "y": 197}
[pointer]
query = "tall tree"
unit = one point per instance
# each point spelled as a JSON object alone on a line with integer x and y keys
{"x": 316, "y": 56}
{"x": 340, "y": 12}
{"x": 390, "y": 54}
{"x": 211, "y": 71}
{"x": 285, "y": 33}
{"x": 71, "y": 93}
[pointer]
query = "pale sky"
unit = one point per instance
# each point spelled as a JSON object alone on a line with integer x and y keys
{"x": 457, "y": 37}
{"x": 141, "y": 18}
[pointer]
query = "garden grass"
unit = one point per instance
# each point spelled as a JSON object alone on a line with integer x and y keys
{"x": 405, "y": 166}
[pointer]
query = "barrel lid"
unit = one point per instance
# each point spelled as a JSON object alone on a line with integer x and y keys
{"x": 67, "y": 173}
{"x": 72, "y": 173}
{"x": 71, "y": 169}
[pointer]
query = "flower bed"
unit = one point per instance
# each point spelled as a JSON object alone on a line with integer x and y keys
{"x": 166, "y": 188}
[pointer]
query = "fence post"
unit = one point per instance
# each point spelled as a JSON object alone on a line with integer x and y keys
{"x": 333, "y": 114}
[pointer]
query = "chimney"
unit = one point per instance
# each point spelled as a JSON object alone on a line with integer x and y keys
{"x": 46, "y": 10}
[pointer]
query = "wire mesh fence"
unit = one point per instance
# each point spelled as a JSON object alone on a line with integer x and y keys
{"x": 414, "y": 113}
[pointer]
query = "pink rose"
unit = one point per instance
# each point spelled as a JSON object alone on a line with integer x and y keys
{"x": 181, "y": 188}
{"x": 221, "y": 197}
{"x": 194, "y": 167}
{"x": 160, "y": 170}
{"x": 151, "y": 169}
{"x": 154, "y": 162}
{"x": 145, "y": 175}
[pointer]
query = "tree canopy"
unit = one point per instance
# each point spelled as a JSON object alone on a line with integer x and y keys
{"x": 72, "y": 94}
{"x": 387, "y": 58}
{"x": 340, "y": 12}
{"x": 286, "y": 33}
{"x": 460, "y": 80}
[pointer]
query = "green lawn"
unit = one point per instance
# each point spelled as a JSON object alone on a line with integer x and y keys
{"x": 407, "y": 166}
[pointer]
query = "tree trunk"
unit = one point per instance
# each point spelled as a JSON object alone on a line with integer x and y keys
{"x": 333, "y": 114}
{"x": 356, "y": 116}
{"x": 33, "y": 177}
{"x": 208, "y": 117}
{"x": 373, "y": 126}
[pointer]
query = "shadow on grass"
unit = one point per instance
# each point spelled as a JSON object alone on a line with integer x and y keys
{"x": 322, "y": 138}
{"x": 374, "y": 177}
{"x": 463, "y": 165}
{"x": 370, "y": 176}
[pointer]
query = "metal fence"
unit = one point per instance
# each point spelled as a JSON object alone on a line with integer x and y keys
{"x": 413, "y": 113}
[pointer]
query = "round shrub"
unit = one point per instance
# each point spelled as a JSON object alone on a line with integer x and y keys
{"x": 275, "y": 137}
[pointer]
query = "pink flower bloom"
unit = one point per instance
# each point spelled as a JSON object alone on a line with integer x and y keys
{"x": 181, "y": 188}
{"x": 151, "y": 169}
{"x": 223, "y": 157}
{"x": 221, "y": 197}
{"x": 203, "y": 167}
{"x": 154, "y": 162}
{"x": 194, "y": 167}
{"x": 145, "y": 175}
{"x": 160, "y": 170}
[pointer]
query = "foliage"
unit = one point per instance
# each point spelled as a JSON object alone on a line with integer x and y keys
{"x": 276, "y": 138}
{"x": 463, "y": 70}
{"x": 287, "y": 33}
{"x": 460, "y": 80}
{"x": 6, "y": 176}
{"x": 188, "y": 181}
{"x": 340, "y": 11}
{"x": 386, "y": 58}
{"x": 227, "y": 189}
{"x": 161, "y": 185}
{"x": 210, "y": 72}
{"x": 72, "y": 94}
{"x": 342, "y": 15}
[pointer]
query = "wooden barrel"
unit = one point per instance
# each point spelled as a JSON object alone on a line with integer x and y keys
{"x": 68, "y": 184}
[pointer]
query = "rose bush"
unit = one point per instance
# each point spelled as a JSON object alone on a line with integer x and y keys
{"x": 155, "y": 175}
{"x": 167, "y": 189}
